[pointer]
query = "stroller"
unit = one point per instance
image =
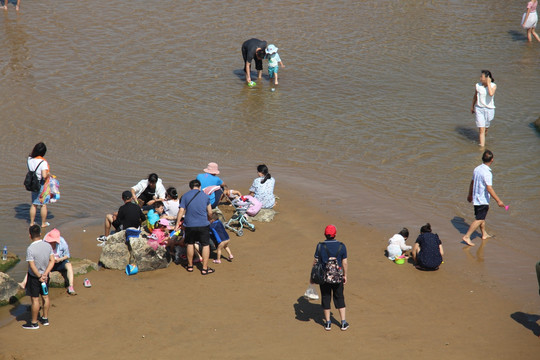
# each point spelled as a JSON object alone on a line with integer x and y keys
{"x": 239, "y": 217}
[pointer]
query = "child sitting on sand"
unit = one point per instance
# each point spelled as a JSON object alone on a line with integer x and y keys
{"x": 171, "y": 204}
{"x": 396, "y": 244}
{"x": 160, "y": 234}
{"x": 220, "y": 237}
{"x": 154, "y": 215}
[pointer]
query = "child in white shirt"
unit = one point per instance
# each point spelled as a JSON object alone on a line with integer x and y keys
{"x": 396, "y": 244}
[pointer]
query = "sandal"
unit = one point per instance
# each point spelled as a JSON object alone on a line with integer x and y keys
{"x": 207, "y": 271}
{"x": 189, "y": 268}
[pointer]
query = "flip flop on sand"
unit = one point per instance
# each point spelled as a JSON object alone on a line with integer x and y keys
{"x": 45, "y": 225}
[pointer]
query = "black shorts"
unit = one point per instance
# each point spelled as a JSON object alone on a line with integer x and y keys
{"x": 480, "y": 211}
{"x": 33, "y": 286}
{"x": 199, "y": 234}
{"x": 329, "y": 291}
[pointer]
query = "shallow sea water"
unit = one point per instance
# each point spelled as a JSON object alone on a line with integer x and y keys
{"x": 371, "y": 113}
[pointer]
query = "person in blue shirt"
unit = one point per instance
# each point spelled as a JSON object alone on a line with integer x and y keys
{"x": 337, "y": 250}
{"x": 196, "y": 205}
{"x": 154, "y": 214}
{"x": 211, "y": 184}
{"x": 220, "y": 237}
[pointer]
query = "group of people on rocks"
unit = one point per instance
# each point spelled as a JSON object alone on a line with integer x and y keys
{"x": 189, "y": 222}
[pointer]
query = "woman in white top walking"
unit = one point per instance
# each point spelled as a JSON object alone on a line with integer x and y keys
{"x": 483, "y": 105}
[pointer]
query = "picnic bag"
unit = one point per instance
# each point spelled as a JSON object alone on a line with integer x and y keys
{"x": 318, "y": 271}
{"x": 31, "y": 182}
{"x": 333, "y": 272}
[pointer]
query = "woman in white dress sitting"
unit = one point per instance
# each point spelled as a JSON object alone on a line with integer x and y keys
{"x": 262, "y": 188}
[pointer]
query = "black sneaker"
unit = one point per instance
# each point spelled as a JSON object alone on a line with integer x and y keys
{"x": 344, "y": 326}
{"x": 328, "y": 326}
{"x": 30, "y": 326}
{"x": 44, "y": 321}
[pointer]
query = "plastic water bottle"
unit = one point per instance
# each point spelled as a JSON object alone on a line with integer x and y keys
{"x": 4, "y": 253}
{"x": 44, "y": 288}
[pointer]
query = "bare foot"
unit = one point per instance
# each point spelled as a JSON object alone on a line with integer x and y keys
{"x": 276, "y": 82}
{"x": 467, "y": 241}
{"x": 4, "y": 7}
{"x": 487, "y": 236}
{"x": 17, "y": 7}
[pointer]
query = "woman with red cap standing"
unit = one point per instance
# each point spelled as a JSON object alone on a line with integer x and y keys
{"x": 333, "y": 254}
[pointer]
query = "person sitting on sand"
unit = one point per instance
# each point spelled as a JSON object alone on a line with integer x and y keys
{"x": 396, "y": 244}
{"x": 160, "y": 234}
{"x": 154, "y": 214}
{"x": 171, "y": 204}
{"x": 427, "y": 251}
{"x": 210, "y": 179}
{"x": 129, "y": 215}
{"x": 148, "y": 191}
{"x": 263, "y": 187}
{"x": 220, "y": 237}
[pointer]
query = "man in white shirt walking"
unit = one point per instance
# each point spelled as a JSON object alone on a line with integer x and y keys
{"x": 480, "y": 192}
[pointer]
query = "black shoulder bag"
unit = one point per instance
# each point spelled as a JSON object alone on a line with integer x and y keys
{"x": 318, "y": 271}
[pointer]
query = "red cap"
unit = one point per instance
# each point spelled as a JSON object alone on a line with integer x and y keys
{"x": 330, "y": 231}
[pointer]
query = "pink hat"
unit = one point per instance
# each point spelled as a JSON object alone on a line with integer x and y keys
{"x": 53, "y": 236}
{"x": 164, "y": 222}
{"x": 212, "y": 168}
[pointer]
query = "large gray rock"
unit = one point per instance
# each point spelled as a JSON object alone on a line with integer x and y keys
{"x": 8, "y": 289}
{"x": 146, "y": 258}
{"x": 117, "y": 238}
{"x": 80, "y": 267}
{"x": 116, "y": 254}
{"x": 265, "y": 215}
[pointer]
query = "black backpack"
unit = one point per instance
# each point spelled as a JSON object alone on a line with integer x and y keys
{"x": 31, "y": 182}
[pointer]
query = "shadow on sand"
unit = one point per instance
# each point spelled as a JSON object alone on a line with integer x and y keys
{"x": 307, "y": 311}
{"x": 530, "y": 321}
{"x": 460, "y": 224}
